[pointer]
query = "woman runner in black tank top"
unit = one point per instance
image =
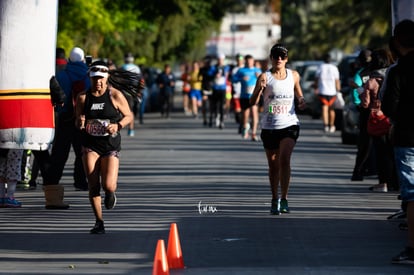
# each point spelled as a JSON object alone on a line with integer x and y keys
{"x": 101, "y": 113}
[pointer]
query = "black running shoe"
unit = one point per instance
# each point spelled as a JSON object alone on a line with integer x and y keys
{"x": 110, "y": 200}
{"x": 405, "y": 257}
{"x": 400, "y": 215}
{"x": 403, "y": 226}
{"x": 98, "y": 228}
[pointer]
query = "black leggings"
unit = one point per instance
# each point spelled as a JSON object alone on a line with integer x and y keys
{"x": 217, "y": 102}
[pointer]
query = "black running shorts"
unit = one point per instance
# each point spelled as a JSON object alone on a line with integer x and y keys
{"x": 271, "y": 138}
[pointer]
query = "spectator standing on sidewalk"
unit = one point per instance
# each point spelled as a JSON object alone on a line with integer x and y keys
{"x": 101, "y": 112}
{"x": 280, "y": 125}
{"x": 61, "y": 63}
{"x": 10, "y": 174}
{"x": 54, "y": 193}
{"x": 364, "y": 162}
{"x": 327, "y": 85}
{"x": 61, "y": 60}
{"x": 387, "y": 179}
{"x": 397, "y": 104}
{"x": 73, "y": 79}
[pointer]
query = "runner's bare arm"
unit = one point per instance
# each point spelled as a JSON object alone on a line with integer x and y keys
{"x": 258, "y": 89}
{"x": 298, "y": 91}
{"x": 121, "y": 103}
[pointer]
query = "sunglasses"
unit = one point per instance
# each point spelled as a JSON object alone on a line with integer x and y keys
{"x": 99, "y": 69}
{"x": 282, "y": 55}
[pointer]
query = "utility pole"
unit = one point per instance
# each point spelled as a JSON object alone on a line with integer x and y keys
{"x": 233, "y": 29}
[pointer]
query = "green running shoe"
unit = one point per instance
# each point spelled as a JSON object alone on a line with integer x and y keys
{"x": 284, "y": 207}
{"x": 274, "y": 210}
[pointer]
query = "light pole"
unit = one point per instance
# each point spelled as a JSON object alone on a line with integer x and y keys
{"x": 233, "y": 29}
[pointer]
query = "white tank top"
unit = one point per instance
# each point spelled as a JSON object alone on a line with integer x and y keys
{"x": 278, "y": 102}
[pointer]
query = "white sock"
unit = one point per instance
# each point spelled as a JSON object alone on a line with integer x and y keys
{"x": 11, "y": 188}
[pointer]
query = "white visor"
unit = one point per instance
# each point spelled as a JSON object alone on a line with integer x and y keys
{"x": 98, "y": 70}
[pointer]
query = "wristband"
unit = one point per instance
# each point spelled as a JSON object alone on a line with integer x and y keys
{"x": 119, "y": 126}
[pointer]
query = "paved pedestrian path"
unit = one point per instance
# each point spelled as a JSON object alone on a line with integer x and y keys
{"x": 214, "y": 186}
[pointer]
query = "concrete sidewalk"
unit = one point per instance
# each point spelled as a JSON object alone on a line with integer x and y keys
{"x": 174, "y": 168}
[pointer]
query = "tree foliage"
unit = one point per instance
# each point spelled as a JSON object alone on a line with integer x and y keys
{"x": 312, "y": 28}
{"x": 155, "y": 31}
{"x": 159, "y": 31}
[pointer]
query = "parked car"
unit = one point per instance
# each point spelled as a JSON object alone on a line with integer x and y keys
{"x": 350, "y": 113}
{"x": 307, "y": 71}
{"x": 179, "y": 83}
{"x": 350, "y": 123}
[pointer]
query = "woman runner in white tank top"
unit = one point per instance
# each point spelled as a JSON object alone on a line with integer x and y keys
{"x": 280, "y": 125}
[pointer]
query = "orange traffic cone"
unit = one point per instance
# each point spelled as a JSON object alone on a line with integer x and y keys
{"x": 160, "y": 260}
{"x": 174, "y": 254}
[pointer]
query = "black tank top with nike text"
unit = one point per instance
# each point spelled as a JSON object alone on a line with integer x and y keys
{"x": 99, "y": 113}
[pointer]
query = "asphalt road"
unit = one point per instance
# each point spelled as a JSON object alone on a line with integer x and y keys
{"x": 214, "y": 186}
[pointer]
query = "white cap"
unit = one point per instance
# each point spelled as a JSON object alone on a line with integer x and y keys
{"x": 76, "y": 55}
{"x": 221, "y": 56}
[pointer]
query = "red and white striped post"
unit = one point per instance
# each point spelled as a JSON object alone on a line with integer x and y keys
{"x": 27, "y": 62}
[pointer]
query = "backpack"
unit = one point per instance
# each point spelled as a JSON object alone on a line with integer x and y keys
{"x": 78, "y": 86}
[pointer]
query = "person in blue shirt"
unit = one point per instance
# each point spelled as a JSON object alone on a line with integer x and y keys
{"x": 247, "y": 76}
{"x": 219, "y": 73}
